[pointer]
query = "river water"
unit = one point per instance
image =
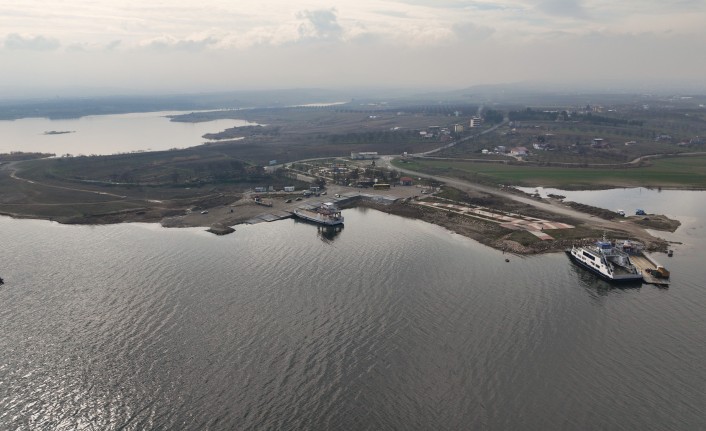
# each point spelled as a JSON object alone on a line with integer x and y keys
{"x": 388, "y": 324}
{"x": 107, "y": 134}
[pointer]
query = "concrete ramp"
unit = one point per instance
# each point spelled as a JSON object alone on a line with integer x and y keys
{"x": 541, "y": 235}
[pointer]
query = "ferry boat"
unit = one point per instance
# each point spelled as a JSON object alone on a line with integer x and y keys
{"x": 607, "y": 261}
{"x": 327, "y": 214}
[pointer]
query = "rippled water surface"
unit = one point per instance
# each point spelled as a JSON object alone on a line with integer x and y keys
{"x": 388, "y": 324}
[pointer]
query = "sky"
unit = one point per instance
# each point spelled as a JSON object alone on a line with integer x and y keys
{"x": 212, "y": 45}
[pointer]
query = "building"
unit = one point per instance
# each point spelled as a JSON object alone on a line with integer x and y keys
{"x": 599, "y": 143}
{"x": 475, "y": 122}
{"x": 518, "y": 151}
{"x": 288, "y": 188}
{"x": 364, "y": 155}
{"x": 458, "y": 128}
{"x": 406, "y": 181}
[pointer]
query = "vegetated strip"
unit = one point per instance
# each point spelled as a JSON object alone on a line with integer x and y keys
{"x": 676, "y": 172}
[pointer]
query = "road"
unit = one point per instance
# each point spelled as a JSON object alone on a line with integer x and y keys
{"x": 551, "y": 207}
{"x": 13, "y": 174}
{"x": 464, "y": 139}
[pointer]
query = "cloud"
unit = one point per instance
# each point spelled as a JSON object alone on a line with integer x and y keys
{"x": 469, "y": 31}
{"x": 31, "y": 43}
{"x": 112, "y": 45}
{"x": 320, "y": 24}
{"x": 170, "y": 42}
{"x": 565, "y": 8}
{"x": 402, "y": 42}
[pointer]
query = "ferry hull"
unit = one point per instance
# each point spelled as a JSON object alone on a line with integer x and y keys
{"x": 628, "y": 278}
{"x": 318, "y": 220}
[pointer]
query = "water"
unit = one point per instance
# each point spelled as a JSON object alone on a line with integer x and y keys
{"x": 107, "y": 134}
{"x": 390, "y": 323}
{"x": 687, "y": 206}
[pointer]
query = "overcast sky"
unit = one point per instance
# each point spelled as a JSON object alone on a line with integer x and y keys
{"x": 208, "y": 45}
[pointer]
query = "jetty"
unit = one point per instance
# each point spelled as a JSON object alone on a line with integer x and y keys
{"x": 649, "y": 266}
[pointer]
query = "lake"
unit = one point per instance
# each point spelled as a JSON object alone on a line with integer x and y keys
{"x": 687, "y": 206}
{"x": 388, "y": 324}
{"x": 107, "y": 134}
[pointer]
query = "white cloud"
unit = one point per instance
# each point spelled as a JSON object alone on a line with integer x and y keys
{"x": 31, "y": 43}
{"x": 320, "y": 24}
{"x": 569, "y": 8}
{"x": 187, "y": 44}
{"x": 308, "y": 42}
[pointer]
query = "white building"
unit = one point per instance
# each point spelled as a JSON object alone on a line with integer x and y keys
{"x": 288, "y": 188}
{"x": 475, "y": 122}
{"x": 364, "y": 155}
{"x": 518, "y": 151}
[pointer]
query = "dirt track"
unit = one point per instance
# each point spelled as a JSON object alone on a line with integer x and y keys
{"x": 552, "y": 206}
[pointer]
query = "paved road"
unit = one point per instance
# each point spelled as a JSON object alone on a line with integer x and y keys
{"x": 464, "y": 139}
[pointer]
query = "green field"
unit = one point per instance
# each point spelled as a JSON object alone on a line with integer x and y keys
{"x": 678, "y": 172}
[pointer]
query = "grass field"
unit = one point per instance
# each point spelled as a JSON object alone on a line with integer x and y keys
{"x": 678, "y": 172}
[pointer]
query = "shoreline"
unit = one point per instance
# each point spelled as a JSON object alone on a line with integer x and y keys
{"x": 218, "y": 208}
{"x": 224, "y": 219}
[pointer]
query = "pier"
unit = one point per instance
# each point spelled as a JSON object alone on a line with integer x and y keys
{"x": 645, "y": 262}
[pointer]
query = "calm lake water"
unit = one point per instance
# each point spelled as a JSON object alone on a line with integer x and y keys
{"x": 689, "y": 207}
{"x": 390, "y": 323}
{"x": 107, "y": 134}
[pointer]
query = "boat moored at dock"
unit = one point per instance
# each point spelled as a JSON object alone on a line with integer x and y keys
{"x": 609, "y": 262}
{"x": 326, "y": 214}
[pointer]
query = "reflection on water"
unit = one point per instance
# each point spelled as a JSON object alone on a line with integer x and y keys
{"x": 107, "y": 134}
{"x": 405, "y": 326}
{"x": 329, "y": 233}
{"x": 596, "y": 286}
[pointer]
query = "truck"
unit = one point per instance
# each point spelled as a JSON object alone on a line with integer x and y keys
{"x": 258, "y": 200}
{"x": 659, "y": 272}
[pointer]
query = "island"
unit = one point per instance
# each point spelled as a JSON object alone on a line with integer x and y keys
{"x": 59, "y": 132}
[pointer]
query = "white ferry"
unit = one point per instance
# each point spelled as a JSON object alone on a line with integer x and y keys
{"x": 327, "y": 214}
{"x": 606, "y": 261}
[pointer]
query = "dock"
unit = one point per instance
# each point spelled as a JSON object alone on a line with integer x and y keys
{"x": 645, "y": 262}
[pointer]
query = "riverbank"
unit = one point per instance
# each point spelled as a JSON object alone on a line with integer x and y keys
{"x": 222, "y": 207}
{"x": 220, "y": 212}
{"x": 524, "y": 242}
